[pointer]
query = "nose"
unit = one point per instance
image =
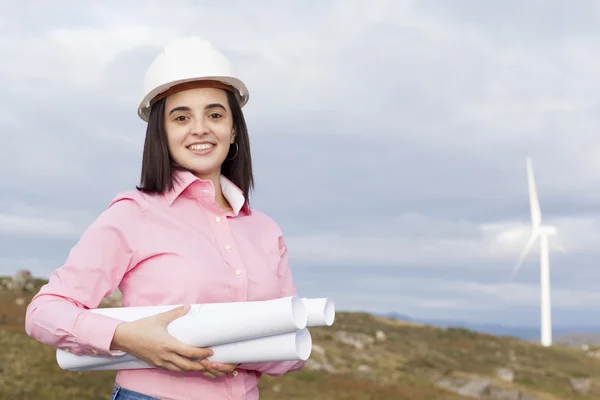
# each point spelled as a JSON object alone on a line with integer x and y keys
{"x": 198, "y": 127}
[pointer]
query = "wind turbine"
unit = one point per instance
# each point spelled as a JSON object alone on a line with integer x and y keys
{"x": 541, "y": 232}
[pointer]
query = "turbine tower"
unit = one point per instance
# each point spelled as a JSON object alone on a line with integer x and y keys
{"x": 542, "y": 232}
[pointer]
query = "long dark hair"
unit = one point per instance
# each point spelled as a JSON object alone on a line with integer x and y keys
{"x": 158, "y": 167}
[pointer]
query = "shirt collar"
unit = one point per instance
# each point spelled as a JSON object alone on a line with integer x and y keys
{"x": 187, "y": 183}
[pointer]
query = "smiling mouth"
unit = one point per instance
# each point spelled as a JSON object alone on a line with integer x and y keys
{"x": 202, "y": 146}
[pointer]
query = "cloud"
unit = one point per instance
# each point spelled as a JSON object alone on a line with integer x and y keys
{"x": 24, "y": 225}
{"x": 411, "y": 240}
{"x": 434, "y": 297}
{"x": 388, "y": 135}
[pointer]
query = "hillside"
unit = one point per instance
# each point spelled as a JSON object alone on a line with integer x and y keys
{"x": 360, "y": 357}
{"x": 566, "y": 334}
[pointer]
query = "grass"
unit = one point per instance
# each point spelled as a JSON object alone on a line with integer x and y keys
{"x": 403, "y": 366}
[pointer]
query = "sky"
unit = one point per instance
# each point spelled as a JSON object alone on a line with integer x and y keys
{"x": 389, "y": 140}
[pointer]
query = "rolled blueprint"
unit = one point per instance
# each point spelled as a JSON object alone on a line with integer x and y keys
{"x": 209, "y": 325}
{"x": 288, "y": 346}
{"x": 320, "y": 312}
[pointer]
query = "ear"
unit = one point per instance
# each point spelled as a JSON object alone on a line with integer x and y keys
{"x": 233, "y": 136}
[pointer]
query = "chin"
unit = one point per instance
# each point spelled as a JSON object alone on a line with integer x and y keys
{"x": 199, "y": 164}
{"x": 202, "y": 170}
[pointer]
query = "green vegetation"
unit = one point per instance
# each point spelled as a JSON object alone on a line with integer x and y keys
{"x": 360, "y": 357}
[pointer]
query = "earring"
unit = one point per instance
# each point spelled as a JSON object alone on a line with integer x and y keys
{"x": 237, "y": 148}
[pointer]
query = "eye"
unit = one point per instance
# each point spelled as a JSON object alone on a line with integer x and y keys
{"x": 215, "y": 115}
{"x": 180, "y": 118}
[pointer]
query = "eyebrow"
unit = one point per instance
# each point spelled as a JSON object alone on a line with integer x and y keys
{"x": 208, "y": 107}
{"x": 215, "y": 105}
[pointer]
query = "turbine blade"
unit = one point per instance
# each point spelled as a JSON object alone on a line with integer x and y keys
{"x": 524, "y": 252}
{"x": 534, "y": 204}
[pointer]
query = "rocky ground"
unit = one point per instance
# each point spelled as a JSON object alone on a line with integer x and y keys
{"x": 360, "y": 357}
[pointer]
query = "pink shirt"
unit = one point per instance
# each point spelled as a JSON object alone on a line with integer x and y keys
{"x": 175, "y": 248}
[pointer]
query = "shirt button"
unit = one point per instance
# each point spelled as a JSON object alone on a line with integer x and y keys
{"x": 218, "y": 219}
{"x": 227, "y": 246}
{"x": 234, "y": 373}
{"x": 238, "y": 272}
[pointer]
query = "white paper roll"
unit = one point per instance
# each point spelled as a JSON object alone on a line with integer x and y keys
{"x": 321, "y": 311}
{"x": 285, "y": 347}
{"x": 211, "y": 326}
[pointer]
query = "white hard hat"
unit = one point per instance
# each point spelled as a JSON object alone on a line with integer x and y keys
{"x": 184, "y": 60}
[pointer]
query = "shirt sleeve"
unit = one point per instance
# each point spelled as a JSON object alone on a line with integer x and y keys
{"x": 59, "y": 314}
{"x": 277, "y": 368}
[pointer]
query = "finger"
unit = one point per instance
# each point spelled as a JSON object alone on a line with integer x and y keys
{"x": 208, "y": 367}
{"x": 173, "y": 366}
{"x": 208, "y": 375}
{"x": 213, "y": 373}
{"x": 168, "y": 316}
{"x": 185, "y": 364}
{"x": 168, "y": 366}
{"x": 221, "y": 367}
{"x": 191, "y": 352}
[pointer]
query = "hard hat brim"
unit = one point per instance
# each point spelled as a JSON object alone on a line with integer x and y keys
{"x": 241, "y": 92}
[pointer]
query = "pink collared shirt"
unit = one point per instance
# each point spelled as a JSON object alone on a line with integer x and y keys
{"x": 175, "y": 248}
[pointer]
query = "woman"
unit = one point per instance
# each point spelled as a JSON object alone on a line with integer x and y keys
{"x": 185, "y": 235}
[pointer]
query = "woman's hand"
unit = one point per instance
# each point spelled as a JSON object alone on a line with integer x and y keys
{"x": 215, "y": 369}
{"x": 149, "y": 340}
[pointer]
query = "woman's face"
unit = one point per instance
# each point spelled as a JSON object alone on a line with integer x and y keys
{"x": 199, "y": 129}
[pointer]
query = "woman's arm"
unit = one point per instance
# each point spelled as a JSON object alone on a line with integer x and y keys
{"x": 58, "y": 314}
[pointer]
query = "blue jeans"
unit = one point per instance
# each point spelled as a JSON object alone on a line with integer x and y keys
{"x": 120, "y": 393}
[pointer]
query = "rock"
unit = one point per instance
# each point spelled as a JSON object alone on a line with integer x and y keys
{"x": 318, "y": 349}
{"x": 498, "y": 393}
{"x": 475, "y": 388}
{"x": 358, "y": 340}
{"x": 505, "y": 374}
{"x": 21, "y": 281}
{"x": 585, "y": 347}
{"x": 20, "y": 301}
{"x": 527, "y": 396}
{"x": 593, "y": 354}
{"x": 580, "y": 385}
{"x": 452, "y": 384}
{"x": 362, "y": 356}
{"x": 22, "y": 277}
{"x": 364, "y": 368}
{"x": 319, "y": 366}
{"x": 277, "y": 388}
{"x": 380, "y": 335}
{"x": 482, "y": 388}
